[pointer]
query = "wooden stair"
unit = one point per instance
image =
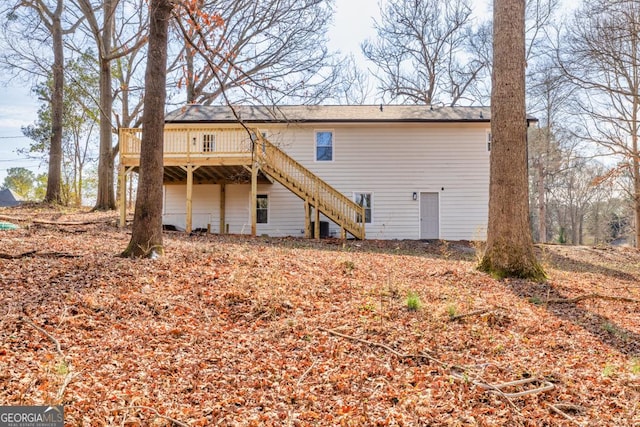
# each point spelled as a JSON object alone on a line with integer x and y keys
{"x": 309, "y": 187}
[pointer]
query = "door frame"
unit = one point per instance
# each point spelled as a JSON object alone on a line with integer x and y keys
{"x": 420, "y": 218}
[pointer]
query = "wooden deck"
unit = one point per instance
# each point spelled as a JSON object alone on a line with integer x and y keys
{"x": 223, "y": 155}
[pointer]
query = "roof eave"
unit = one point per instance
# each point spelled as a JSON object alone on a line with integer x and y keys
{"x": 337, "y": 121}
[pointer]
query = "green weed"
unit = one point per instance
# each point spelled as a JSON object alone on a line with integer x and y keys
{"x": 452, "y": 310}
{"x": 413, "y": 301}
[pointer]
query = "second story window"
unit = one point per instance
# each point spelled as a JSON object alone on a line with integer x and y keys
{"x": 324, "y": 146}
{"x": 208, "y": 142}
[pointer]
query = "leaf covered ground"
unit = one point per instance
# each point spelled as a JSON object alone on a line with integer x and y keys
{"x": 240, "y": 331}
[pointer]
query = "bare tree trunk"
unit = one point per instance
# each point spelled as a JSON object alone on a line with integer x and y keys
{"x": 636, "y": 189}
{"x": 54, "y": 179}
{"x": 189, "y": 55}
{"x": 542, "y": 204}
{"x": 581, "y": 229}
{"x": 146, "y": 237}
{"x": 509, "y": 250}
{"x": 574, "y": 224}
{"x": 106, "y": 199}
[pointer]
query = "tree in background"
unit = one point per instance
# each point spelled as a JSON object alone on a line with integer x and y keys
{"x": 80, "y": 119}
{"x": 128, "y": 70}
{"x": 509, "y": 251}
{"x": 268, "y": 51}
{"x": 428, "y": 52}
{"x": 549, "y": 99}
{"x": 544, "y": 165}
{"x": 100, "y": 17}
{"x": 20, "y": 181}
{"x": 355, "y": 86}
{"x": 43, "y": 21}
{"x": 601, "y": 57}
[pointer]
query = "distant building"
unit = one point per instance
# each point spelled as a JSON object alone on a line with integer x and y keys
{"x": 9, "y": 198}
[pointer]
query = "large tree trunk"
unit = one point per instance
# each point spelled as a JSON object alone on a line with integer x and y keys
{"x": 54, "y": 179}
{"x": 636, "y": 189}
{"x": 146, "y": 238}
{"x": 509, "y": 251}
{"x": 106, "y": 198}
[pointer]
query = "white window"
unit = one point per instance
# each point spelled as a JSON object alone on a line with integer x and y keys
{"x": 324, "y": 146}
{"x": 364, "y": 199}
{"x": 262, "y": 208}
{"x": 208, "y": 142}
{"x": 488, "y": 141}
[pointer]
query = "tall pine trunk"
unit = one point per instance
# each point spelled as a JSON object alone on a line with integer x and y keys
{"x": 509, "y": 251}
{"x": 146, "y": 237}
{"x": 54, "y": 177}
{"x": 635, "y": 163}
{"x": 106, "y": 199}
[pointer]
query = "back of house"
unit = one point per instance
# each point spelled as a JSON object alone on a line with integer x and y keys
{"x": 420, "y": 172}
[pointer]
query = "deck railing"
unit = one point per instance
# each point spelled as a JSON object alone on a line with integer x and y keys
{"x": 202, "y": 143}
{"x": 190, "y": 142}
{"x": 300, "y": 180}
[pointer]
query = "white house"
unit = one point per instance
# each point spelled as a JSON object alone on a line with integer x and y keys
{"x": 419, "y": 172}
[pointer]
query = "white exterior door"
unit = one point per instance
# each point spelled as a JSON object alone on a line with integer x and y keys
{"x": 429, "y": 216}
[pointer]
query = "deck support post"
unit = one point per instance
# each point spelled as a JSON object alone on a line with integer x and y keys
{"x": 307, "y": 219}
{"x": 316, "y": 227}
{"x": 122, "y": 177}
{"x": 223, "y": 207}
{"x": 254, "y": 195}
{"x": 189, "y": 169}
{"x": 122, "y": 195}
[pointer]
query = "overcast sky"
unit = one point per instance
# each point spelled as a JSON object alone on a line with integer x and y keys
{"x": 353, "y": 23}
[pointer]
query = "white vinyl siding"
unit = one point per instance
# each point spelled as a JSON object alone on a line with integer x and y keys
{"x": 206, "y": 200}
{"x": 389, "y": 160}
{"x": 393, "y": 161}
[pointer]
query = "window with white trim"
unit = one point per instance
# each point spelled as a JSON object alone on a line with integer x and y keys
{"x": 324, "y": 146}
{"x": 364, "y": 199}
{"x": 262, "y": 208}
{"x": 488, "y": 141}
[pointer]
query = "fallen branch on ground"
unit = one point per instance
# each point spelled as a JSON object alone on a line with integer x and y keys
{"x": 47, "y": 334}
{"x": 558, "y": 409}
{"x": 11, "y": 218}
{"x": 476, "y": 380}
{"x": 546, "y": 386}
{"x": 41, "y": 254}
{"x": 70, "y": 223}
{"x": 479, "y": 382}
{"x": 591, "y": 296}
{"x": 470, "y": 314}
{"x": 16, "y": 256}
{"x": 58, "y": 255}
{"x": 70, "y": 374}
{"x": 305, "y": 373}
{"x": 382, "y": 346}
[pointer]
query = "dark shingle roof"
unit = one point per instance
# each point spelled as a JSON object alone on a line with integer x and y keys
{"x": 8, "y": 198}
{"x": 327, "y": 114}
